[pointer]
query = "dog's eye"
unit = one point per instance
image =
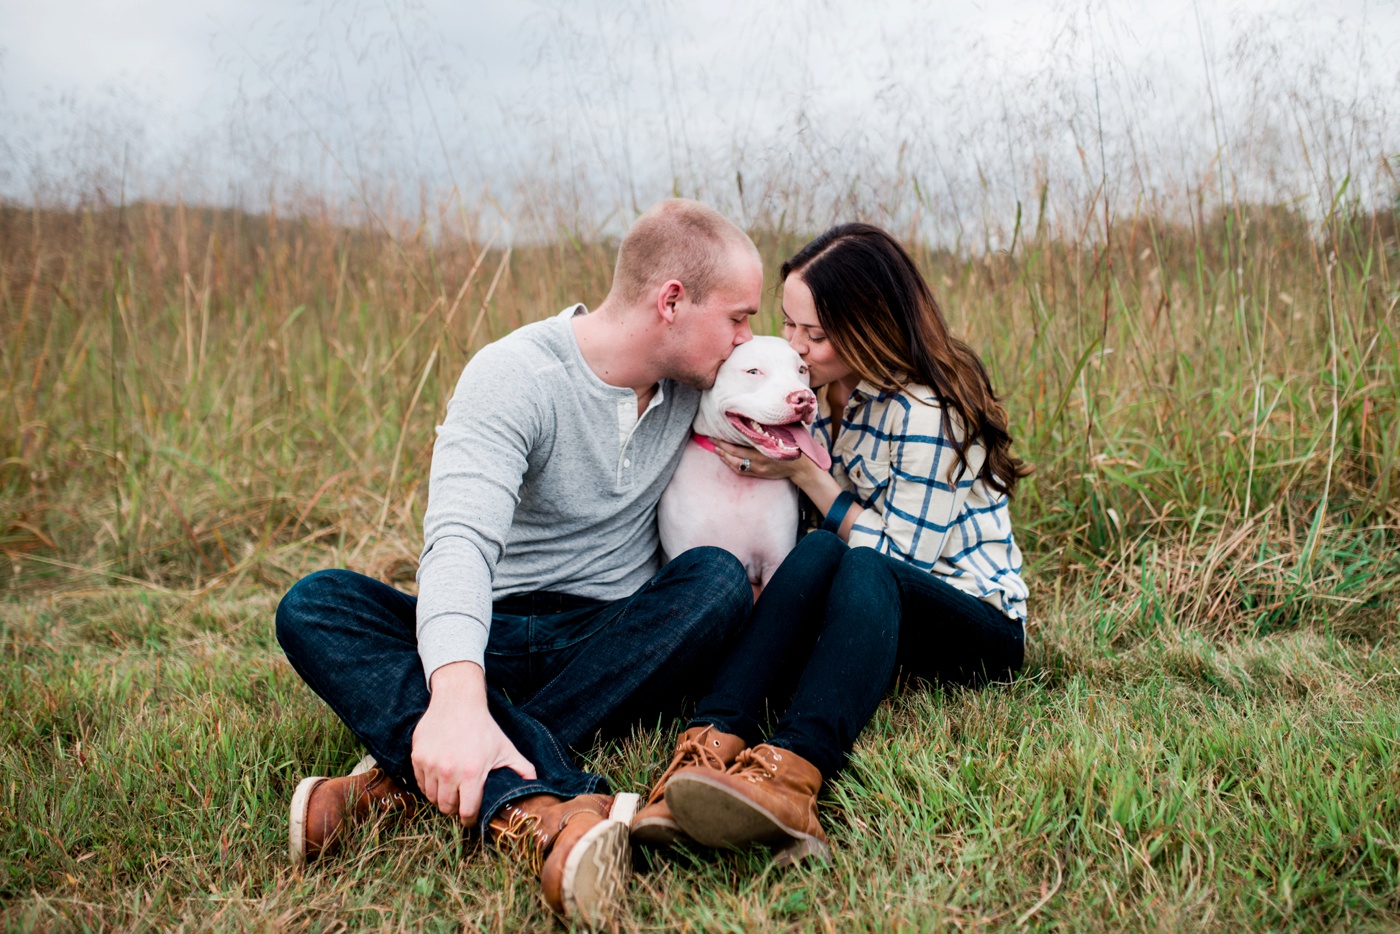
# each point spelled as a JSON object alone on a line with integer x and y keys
{"x": 803, "y": 371}
{"x": 753, "y": 372}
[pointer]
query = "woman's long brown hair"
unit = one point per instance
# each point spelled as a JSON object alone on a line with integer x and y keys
{"x": 882, "y": 317}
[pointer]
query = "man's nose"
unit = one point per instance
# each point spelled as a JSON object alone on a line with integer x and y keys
{"x": 744, "y": 336}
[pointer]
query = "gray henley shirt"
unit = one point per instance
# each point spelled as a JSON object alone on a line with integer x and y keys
{"x": 543, "y": 478}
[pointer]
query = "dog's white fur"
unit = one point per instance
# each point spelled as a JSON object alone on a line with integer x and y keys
{"x": 764, "y": 381}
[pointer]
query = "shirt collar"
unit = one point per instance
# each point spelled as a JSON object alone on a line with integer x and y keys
{"x": 868, "y": 390}
{"x": 864, "y": 391}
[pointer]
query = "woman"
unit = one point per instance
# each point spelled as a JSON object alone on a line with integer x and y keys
{"x": 914, "y": 566}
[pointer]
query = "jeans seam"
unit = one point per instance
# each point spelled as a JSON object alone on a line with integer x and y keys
{"x": 559, "y": 751}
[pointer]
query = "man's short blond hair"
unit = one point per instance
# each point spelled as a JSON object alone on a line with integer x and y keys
{"x": 676, "y": 239}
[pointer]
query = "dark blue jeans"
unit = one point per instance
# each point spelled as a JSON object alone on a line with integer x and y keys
{"x": 831, "y": 631}
{"x": 560, "y": 670}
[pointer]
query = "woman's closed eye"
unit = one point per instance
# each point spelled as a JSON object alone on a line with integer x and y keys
{"x": 815, "y": 338}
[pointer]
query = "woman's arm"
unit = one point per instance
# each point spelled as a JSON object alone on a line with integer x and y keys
{"x": 822, "y": 489}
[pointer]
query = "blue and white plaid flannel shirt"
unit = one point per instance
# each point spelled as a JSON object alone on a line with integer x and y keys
{"x": 918, "y": 503}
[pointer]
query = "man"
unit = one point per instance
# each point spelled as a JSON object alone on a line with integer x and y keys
{"x": 542, "y": 617}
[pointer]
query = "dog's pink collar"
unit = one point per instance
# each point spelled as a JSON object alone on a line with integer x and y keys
{"x": 704, "y": 441}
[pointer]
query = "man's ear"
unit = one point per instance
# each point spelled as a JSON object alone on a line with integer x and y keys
{"x": 667, "y": 296}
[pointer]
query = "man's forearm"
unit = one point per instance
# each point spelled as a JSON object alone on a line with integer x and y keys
{"x": 454, "y": 605}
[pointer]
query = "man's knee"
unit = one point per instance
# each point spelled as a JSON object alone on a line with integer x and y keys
{"x": 305, "y": 605}
{"x": 716, "y": 585}
{"x": 711, "y": 564}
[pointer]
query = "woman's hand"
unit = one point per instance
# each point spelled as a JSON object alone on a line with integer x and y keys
{"x": 821, "y": 487}
{"x": 763, "y": 466}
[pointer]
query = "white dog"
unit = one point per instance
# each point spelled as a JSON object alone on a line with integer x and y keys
{"x": 761, "y": 399}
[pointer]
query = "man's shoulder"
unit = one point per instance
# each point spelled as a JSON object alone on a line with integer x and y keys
{"x": 529, "y": 365}
{"x": 518, "y": 376}
{"x": 535, "y": 345}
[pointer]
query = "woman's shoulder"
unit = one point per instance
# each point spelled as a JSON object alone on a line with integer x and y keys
{"x": 923, "y": 412}
{"x": 917, "y": 394}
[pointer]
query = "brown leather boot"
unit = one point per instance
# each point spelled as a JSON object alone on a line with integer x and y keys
{"x": 702, "y": 747}
{"x": 769, "y": 795}
{"x": 578, "y": 847}
{"x": 324, "y": 808}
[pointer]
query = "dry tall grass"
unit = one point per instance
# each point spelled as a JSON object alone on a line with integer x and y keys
{"x": 194, "y": 396}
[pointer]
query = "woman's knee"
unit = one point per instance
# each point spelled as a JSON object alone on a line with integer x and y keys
{"x": 810, "y": 566}
{"x": 865, "y": 584}
{"x": 863, "y": 568}
{"x": 820, "y": 549}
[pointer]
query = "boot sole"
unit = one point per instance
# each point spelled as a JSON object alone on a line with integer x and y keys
{"x": 296, "y": 825}
{"x": 596, "y": 872}
{"x": 657, "y": 832}
{"x": 716, "y": 815}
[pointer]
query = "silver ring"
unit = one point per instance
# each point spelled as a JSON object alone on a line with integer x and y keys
{"x": 744, "y": 465}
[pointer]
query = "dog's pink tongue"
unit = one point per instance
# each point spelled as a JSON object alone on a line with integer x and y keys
{"x": 798, "y": 434}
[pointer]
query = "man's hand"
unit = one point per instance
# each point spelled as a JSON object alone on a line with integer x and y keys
{"x": 456, "y": 743}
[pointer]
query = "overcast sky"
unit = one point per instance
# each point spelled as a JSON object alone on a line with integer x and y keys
{"x": 972, "y": 105}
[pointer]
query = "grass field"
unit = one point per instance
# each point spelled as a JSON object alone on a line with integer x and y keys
{"x": 198, "y": 406}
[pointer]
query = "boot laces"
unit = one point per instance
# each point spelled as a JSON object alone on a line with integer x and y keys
{"x": 754, "y": 763}
{"x": 383, "y": 790}
{"x": 522, "y": 837}
{"x": 695, "y": 751}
